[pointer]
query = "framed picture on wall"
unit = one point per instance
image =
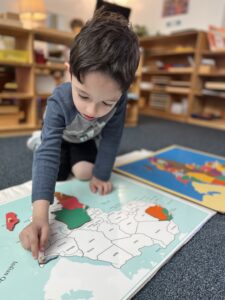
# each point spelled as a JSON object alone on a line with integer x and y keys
{"x": 174, "y": 7}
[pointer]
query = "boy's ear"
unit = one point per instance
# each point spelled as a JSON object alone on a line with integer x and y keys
{"x": 67, "y": 76}
{"x": 67, "y": 66}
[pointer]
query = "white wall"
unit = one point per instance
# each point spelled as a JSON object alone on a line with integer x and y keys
{"x": 201, "y": 13}
{"x": 144, "y": 12}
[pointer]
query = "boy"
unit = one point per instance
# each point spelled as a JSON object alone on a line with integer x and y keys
{"x": 103, "y": 61}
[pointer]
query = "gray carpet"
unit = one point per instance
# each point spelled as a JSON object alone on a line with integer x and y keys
{"x": 197, "y": 271}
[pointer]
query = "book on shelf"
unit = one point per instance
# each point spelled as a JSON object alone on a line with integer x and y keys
{"x": 213, "y": 93}
{"x": 14, "y": 55}
{"x": 179, "y": 107}
{"x": 216, "y": 38}
{"x": 208, "y": 62}
{"x": 159, "y": 101}
{"x": 160, "y": 80}
{"x": 146, "y": 85}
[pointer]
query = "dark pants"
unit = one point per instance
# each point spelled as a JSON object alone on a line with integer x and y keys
{"x": 73, "y": 153}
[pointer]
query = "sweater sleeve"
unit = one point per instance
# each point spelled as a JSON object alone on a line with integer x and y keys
{"x": 47, "y": 156}
{"x": 109, "y": 142}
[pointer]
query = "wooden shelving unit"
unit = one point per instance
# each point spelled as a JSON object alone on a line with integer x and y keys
{"x": 22, "y": 99}
{"x": 26, "y": 117}
{"x": 54, "y": 37}
{"x": 178, "y": 57}
{"x": 205, "y": 101}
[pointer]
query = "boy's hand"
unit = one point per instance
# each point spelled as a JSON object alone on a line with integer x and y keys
{"x": 102, "y": 187}
{"x": 34, "y": 237}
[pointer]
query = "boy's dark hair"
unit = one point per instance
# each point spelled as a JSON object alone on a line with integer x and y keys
{"x": 108, "y": 44}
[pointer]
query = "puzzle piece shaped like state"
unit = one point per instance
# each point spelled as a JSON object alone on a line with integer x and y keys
{"x": 11, "y": 221}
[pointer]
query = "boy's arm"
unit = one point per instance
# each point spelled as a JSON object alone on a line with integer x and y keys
{"x": 109, "y": 142}
{"x": 40, "y": 210}
{"x": 47, "y": 156}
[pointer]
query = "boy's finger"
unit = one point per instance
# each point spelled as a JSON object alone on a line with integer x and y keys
{"x": 34, "y": 245}
{"x": 104, "y": 189}
{"x": 44, "y": 237}
{"x": 110, "y": 187}
{"x": 93, "y": 188}
{"x": 101, "y": 189}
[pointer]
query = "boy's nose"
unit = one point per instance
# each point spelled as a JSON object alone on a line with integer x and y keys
{"x": 91, "y": 110}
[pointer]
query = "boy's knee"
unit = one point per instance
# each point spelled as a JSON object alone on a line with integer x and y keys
{"x": 83, "y": 170}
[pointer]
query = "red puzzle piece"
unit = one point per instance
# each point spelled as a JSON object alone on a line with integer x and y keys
{"x": 11, "y": 220}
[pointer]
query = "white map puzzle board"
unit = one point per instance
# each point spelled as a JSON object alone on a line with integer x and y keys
{"x": 131, "y": 233}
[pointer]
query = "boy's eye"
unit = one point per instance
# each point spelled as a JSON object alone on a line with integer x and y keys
{"x": 107, "y": 104}
{"x": 83, "y": 97}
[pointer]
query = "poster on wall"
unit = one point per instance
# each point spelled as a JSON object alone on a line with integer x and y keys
{"x": 175, "y": 7}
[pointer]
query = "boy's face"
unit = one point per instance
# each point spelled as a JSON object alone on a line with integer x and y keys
{"x": 96, "y": 96}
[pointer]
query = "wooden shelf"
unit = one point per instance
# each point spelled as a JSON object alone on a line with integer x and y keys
{"x": 166, "y": 91}
{"x": 179, "y": 91}
{"x": 162, "y": 114}
{"x": 146, "y": 41}
{"x": 171, "y": 53}
{"x": 52, "y": 66}
{"x": 213, "y": 53}
{"x": 12, "y": 30}
{"x": 20, "y": 129}
{"x": 212, "y": 74}
{"x": 53, "y": 36}
{"x": 15, "y": 64}
{"x": 16, "y": 95}
{"x": 216, "y": 124}
{"x": 167, "y": 72}
{"x": 199, "y": 94}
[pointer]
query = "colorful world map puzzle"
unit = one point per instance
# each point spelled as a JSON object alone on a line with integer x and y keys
{"x": 100, "y": 247}
{"x": 190, "y": 174}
